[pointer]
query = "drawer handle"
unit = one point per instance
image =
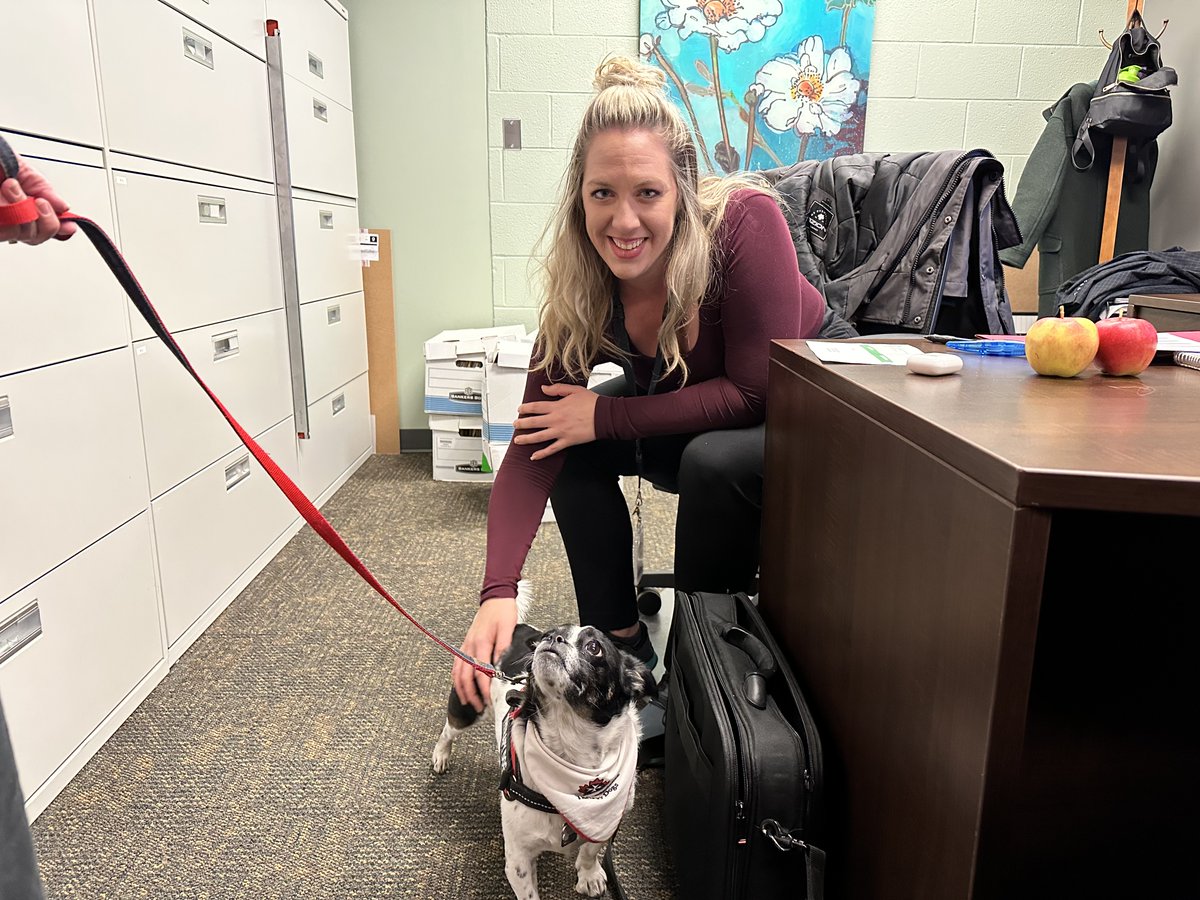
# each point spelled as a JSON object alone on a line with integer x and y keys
{"x": 237, "y": 472}
{"x": 315, "y": 65}
{"x": 6, "y": 426}
{"x": 212, "y": 209}
{"x": 225, "y": 345}
{"x": 320, "y": 110}
{"x": 19, "y": 630}
{"x": 197, "y": 48}
{"x": 326, "y": 216}
{"x": 339, "y": 403}
{"x": 333, "y": 314}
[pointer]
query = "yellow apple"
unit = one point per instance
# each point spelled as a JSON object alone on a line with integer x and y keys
{"x": 1062, "y": 346}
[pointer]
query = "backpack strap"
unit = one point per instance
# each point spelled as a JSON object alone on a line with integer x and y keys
{"x": 1083, "y": 151}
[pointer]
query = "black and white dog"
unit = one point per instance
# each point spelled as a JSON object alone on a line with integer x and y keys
{"x": 568, "y": 745}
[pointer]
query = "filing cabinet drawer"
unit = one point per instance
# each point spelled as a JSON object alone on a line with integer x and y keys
{"x": 320, "y": 141}
{"x": 243, "y": 22}
{"x": 76, "y": 642}
{"x": 177, "y": 92}
{"x": 36, "y": 35}
{"x": 202, "y": 252}
{"x": 214, "y": 525}
{"x": 72, "y": 466}
{"x": 244, "y": 362}
{"x": 335, "y": 342}
{"x": 328, "y": 260}
{"x": 316, "y": 46}
{"x": 340, "y": 424}
{"x": 59, "y": 301}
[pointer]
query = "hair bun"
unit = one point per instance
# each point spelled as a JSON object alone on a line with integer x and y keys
{"x": 624, "y": 72}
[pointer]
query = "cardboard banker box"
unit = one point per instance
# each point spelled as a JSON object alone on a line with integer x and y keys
{"x": 454, "y": 362}
{"x": 458, "y": 449}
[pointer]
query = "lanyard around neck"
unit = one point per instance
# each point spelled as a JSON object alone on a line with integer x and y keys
{"x": 622, "y": 338}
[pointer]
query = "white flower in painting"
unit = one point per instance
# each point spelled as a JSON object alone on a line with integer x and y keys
{"x": 733, "y": 22}
{"x": 807, "y": 92}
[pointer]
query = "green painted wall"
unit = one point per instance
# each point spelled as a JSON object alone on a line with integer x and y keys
{"x": 420, "y": 127}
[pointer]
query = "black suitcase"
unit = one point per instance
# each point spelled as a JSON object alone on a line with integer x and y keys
{"x": 743, "y": 760}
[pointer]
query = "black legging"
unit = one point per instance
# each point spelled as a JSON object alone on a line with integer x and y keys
{"x": 718, "y": 475}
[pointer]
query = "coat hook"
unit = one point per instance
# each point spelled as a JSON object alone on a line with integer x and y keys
{"x": 1103, "y": 41}
{"x": 1166, "y": 22}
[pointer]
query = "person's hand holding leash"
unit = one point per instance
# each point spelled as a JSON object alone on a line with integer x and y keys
{"x": 486, "y": 640}
{"x": 30, "y": 183}
{"x": 563, "y": 422}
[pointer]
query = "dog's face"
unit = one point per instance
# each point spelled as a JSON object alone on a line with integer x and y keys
{"x": 583, "y": 668}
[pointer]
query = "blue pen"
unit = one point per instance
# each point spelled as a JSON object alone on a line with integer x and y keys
{"x": 989, "y": 348}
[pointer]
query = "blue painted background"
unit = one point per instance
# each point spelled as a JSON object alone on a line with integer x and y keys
{"x": 799, "y": 20}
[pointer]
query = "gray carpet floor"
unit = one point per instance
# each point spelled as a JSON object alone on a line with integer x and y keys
{"x": 287, "y": 754}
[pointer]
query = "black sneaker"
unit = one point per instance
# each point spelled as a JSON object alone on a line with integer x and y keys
{"x": 639, "y": 645}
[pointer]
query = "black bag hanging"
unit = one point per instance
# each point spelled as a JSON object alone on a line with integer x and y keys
{"x": 1131, "y": 98}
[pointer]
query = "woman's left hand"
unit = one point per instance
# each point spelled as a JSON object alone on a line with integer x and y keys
{"x": 563, "y": 422}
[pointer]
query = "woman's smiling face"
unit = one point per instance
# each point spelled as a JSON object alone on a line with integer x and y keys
{"x": 629, "y": 203}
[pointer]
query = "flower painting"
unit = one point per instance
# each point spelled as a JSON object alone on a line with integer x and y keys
{"x": 764, "y": 83}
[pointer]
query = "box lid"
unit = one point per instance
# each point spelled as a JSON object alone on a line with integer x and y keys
{"x": 453, "y": 343}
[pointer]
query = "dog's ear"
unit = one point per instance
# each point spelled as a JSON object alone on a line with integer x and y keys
{"x": 637, "y": 680}
{"x": 519, "y": 653}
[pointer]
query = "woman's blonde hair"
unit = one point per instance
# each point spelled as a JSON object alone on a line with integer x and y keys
{"x": 578, "y": 285}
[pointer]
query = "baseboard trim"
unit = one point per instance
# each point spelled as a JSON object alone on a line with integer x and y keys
{"x": 416, "y": 440}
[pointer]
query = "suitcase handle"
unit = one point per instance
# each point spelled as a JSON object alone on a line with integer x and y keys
{"x": 754, "y": 685}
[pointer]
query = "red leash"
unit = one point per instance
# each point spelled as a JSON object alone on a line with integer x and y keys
{"x": 25, "y": 211}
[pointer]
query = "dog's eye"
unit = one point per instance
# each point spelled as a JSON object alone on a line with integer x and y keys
{"x": 594, "y": 648}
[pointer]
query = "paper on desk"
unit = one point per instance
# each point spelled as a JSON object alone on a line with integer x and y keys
{"x": 863, "y": 354}
{"x": 1168, "y": 341}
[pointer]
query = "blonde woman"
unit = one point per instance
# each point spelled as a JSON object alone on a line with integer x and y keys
{"x": 683, "y": 281}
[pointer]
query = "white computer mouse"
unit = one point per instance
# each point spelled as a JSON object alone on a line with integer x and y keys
{"x": 934, "y": 363}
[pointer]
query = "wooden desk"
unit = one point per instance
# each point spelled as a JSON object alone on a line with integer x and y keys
{"x": 969, "y": 575}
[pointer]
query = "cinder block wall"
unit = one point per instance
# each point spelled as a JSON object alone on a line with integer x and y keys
{"x": 944, "y": 74}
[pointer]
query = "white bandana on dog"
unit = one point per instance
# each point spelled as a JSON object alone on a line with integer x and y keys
{"x": 592, "y": 801}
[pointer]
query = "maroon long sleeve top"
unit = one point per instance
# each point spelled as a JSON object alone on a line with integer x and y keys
{"x": 757, "y": 295}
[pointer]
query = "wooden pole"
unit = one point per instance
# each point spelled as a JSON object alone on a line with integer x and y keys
{"x": 1116, "y": 176}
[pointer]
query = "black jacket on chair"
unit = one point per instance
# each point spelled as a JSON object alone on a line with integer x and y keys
{"x": 902, "y": 241}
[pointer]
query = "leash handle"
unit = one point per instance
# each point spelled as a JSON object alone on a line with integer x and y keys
{"x": 120, "y": 269}
{"x": 23, "y": 211}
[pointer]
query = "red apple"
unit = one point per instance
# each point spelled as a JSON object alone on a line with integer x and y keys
{"x": 1061, "y": 346}
{"x": 1126, "y": 345}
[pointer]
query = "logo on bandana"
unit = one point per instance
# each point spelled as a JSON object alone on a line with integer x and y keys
{"x": 820, "y": 216}
{"x": 595, "y": 789}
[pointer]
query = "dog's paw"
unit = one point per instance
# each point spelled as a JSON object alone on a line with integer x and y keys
{"x": 442, "y": 751}
{"x": 592, "y": 882}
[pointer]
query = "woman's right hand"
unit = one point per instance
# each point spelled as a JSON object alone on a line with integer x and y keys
{"x": 486, "y": 640}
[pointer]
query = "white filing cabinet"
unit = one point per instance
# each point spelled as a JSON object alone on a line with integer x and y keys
{"x": 44, "y": 320}
{"x": 132, "y": 513}
{"x": 316, "y": 49}
{"x": 175, "y": 91}
{"x": 214, "y": 525}
{"x": 240, "y": 22}
{"x": 205, "y": 249}
{"x": 71, "y": 464}
{"x": 341, "y": 426}
{"x": 243, "y": 361}
{"x": 335, "y": 342}
{"x": 327, "y": 255}
{"x": 35, "y": 34}
{"x": 321, "y": 140}
{"x": 99, "y": 637}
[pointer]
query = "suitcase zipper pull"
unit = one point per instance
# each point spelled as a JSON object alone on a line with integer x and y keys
{"x": 782, "y": 839}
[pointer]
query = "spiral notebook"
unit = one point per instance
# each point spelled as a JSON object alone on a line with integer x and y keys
{"x": 1188, "y": 359}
